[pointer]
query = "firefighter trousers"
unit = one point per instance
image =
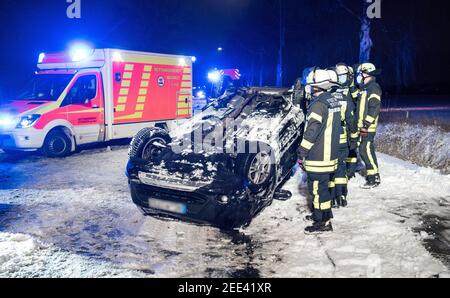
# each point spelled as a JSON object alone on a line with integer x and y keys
{"x": 352, "y": 162}
{"x": 368, "y": 155}
{"x": 318, "y": 186}
{"x": 341, "y": 179}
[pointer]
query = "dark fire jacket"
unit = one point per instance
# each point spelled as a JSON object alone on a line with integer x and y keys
{"x": 369, "y": 106}
{"x": 320, "y": 145}
{"x": 349, "y": 121}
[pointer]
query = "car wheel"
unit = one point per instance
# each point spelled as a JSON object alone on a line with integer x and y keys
{"x": 258, "y": 171}
{"x": 149, "y": 143}
{"x": 57, "y": 144}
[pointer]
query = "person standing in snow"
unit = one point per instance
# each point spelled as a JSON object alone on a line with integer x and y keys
{"x": 352, "y": 160}
{"x": 349, "y": 137}
{"x": 318, "y": 152}
{"x": 368, "y": 113}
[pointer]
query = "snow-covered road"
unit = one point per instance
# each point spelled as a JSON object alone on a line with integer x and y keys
{"x": 73, "y": 217}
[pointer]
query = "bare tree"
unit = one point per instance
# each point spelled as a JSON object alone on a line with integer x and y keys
{"x": 365, "y": 39}
{"x": 282, "y": 44}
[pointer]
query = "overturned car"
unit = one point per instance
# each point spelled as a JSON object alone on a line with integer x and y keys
{"x": 222, "y": 167}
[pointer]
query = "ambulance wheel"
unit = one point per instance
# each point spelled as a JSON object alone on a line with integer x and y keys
{"x": 149, "y": 143}
{"x": 57, "y": 144}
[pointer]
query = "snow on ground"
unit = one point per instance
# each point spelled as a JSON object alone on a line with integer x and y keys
{"x": 24, "y": 256}
{"x": 73, "y": 217}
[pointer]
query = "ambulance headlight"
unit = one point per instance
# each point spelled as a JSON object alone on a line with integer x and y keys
{"x": 28, "y": 121}
{"x": 6, "y": 121}
{"x": 214, "y": 76}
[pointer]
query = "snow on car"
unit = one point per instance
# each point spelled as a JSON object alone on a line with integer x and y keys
{"x": 225, "y": 166}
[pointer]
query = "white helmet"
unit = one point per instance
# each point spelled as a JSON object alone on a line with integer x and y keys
{"x": 320, "y": 78}
{"x": 333, "y": 76}
{"x": 345, "y": 74}
{"x": 369, "y": 69}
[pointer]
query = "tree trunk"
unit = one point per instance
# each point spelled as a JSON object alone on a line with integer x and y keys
{"x": 365, "y": 39}
{"x": 365, "y": 43}
{"x": 282, "y": 44}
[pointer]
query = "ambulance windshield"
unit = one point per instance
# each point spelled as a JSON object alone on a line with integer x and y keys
{"x": 47, "y": 87}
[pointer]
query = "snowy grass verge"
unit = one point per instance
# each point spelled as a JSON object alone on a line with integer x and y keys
{"x": 423, "y": 145}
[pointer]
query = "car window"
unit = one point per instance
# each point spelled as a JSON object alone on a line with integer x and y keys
{"x": 83, "y": 91}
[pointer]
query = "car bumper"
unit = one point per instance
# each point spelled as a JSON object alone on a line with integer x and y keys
{"x": 22, "y": 139}
{"x": 202, "y": 207}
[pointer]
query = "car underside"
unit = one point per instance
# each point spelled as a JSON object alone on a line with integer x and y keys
{"x": 222, "y": 167}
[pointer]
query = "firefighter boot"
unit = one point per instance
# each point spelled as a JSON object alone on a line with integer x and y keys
{"x": 310, "y": 218}
{"x": 343, "y": 201}
{"x": 319, "y": 227}
{"x": 372, "y": 182}
{"x": 340, "y": 201}
{"x": 351, "y": 175}
{"x": 336, "y": 204}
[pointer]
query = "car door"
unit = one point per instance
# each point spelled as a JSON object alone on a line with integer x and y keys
{"x": 85, "y": 108}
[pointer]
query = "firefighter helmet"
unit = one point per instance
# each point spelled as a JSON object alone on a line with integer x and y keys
{"x": 333, "y": 76}
{"x": 345, "y": 74}
{"x": 320, "y": 79}
{"x": 368, "y": 68}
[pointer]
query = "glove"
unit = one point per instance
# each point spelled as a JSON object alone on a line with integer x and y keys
{"x": 301, "y": 153}
{"x": 301, "y": 163}
{"x": 353, "y": 144}
{"x": 364, "y": 132}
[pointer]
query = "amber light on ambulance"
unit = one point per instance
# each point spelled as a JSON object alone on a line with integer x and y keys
{"x": 28, "y": 121}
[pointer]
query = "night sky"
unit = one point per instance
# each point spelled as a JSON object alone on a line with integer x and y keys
{"x": 411, "y": 42}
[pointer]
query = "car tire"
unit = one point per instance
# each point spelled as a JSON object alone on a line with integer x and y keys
{"x": 57, "y": 144}
{"x": 142, "y": 145}
{"x": 251, "y": 164}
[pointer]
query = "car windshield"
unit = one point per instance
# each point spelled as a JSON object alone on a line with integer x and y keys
{"x": 45, "y": 87}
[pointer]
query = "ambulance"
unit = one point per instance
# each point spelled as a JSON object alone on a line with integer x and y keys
{"x": 96, "y": 95}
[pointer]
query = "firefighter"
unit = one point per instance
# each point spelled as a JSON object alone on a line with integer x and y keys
{"x": 349, "y": 137}
{"x": 368, "y": 112}
{"x": 318, "y": 153}
{"x": 352, "y": 160}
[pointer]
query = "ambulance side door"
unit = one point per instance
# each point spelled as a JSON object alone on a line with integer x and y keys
{"x": 85, "y": 108}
